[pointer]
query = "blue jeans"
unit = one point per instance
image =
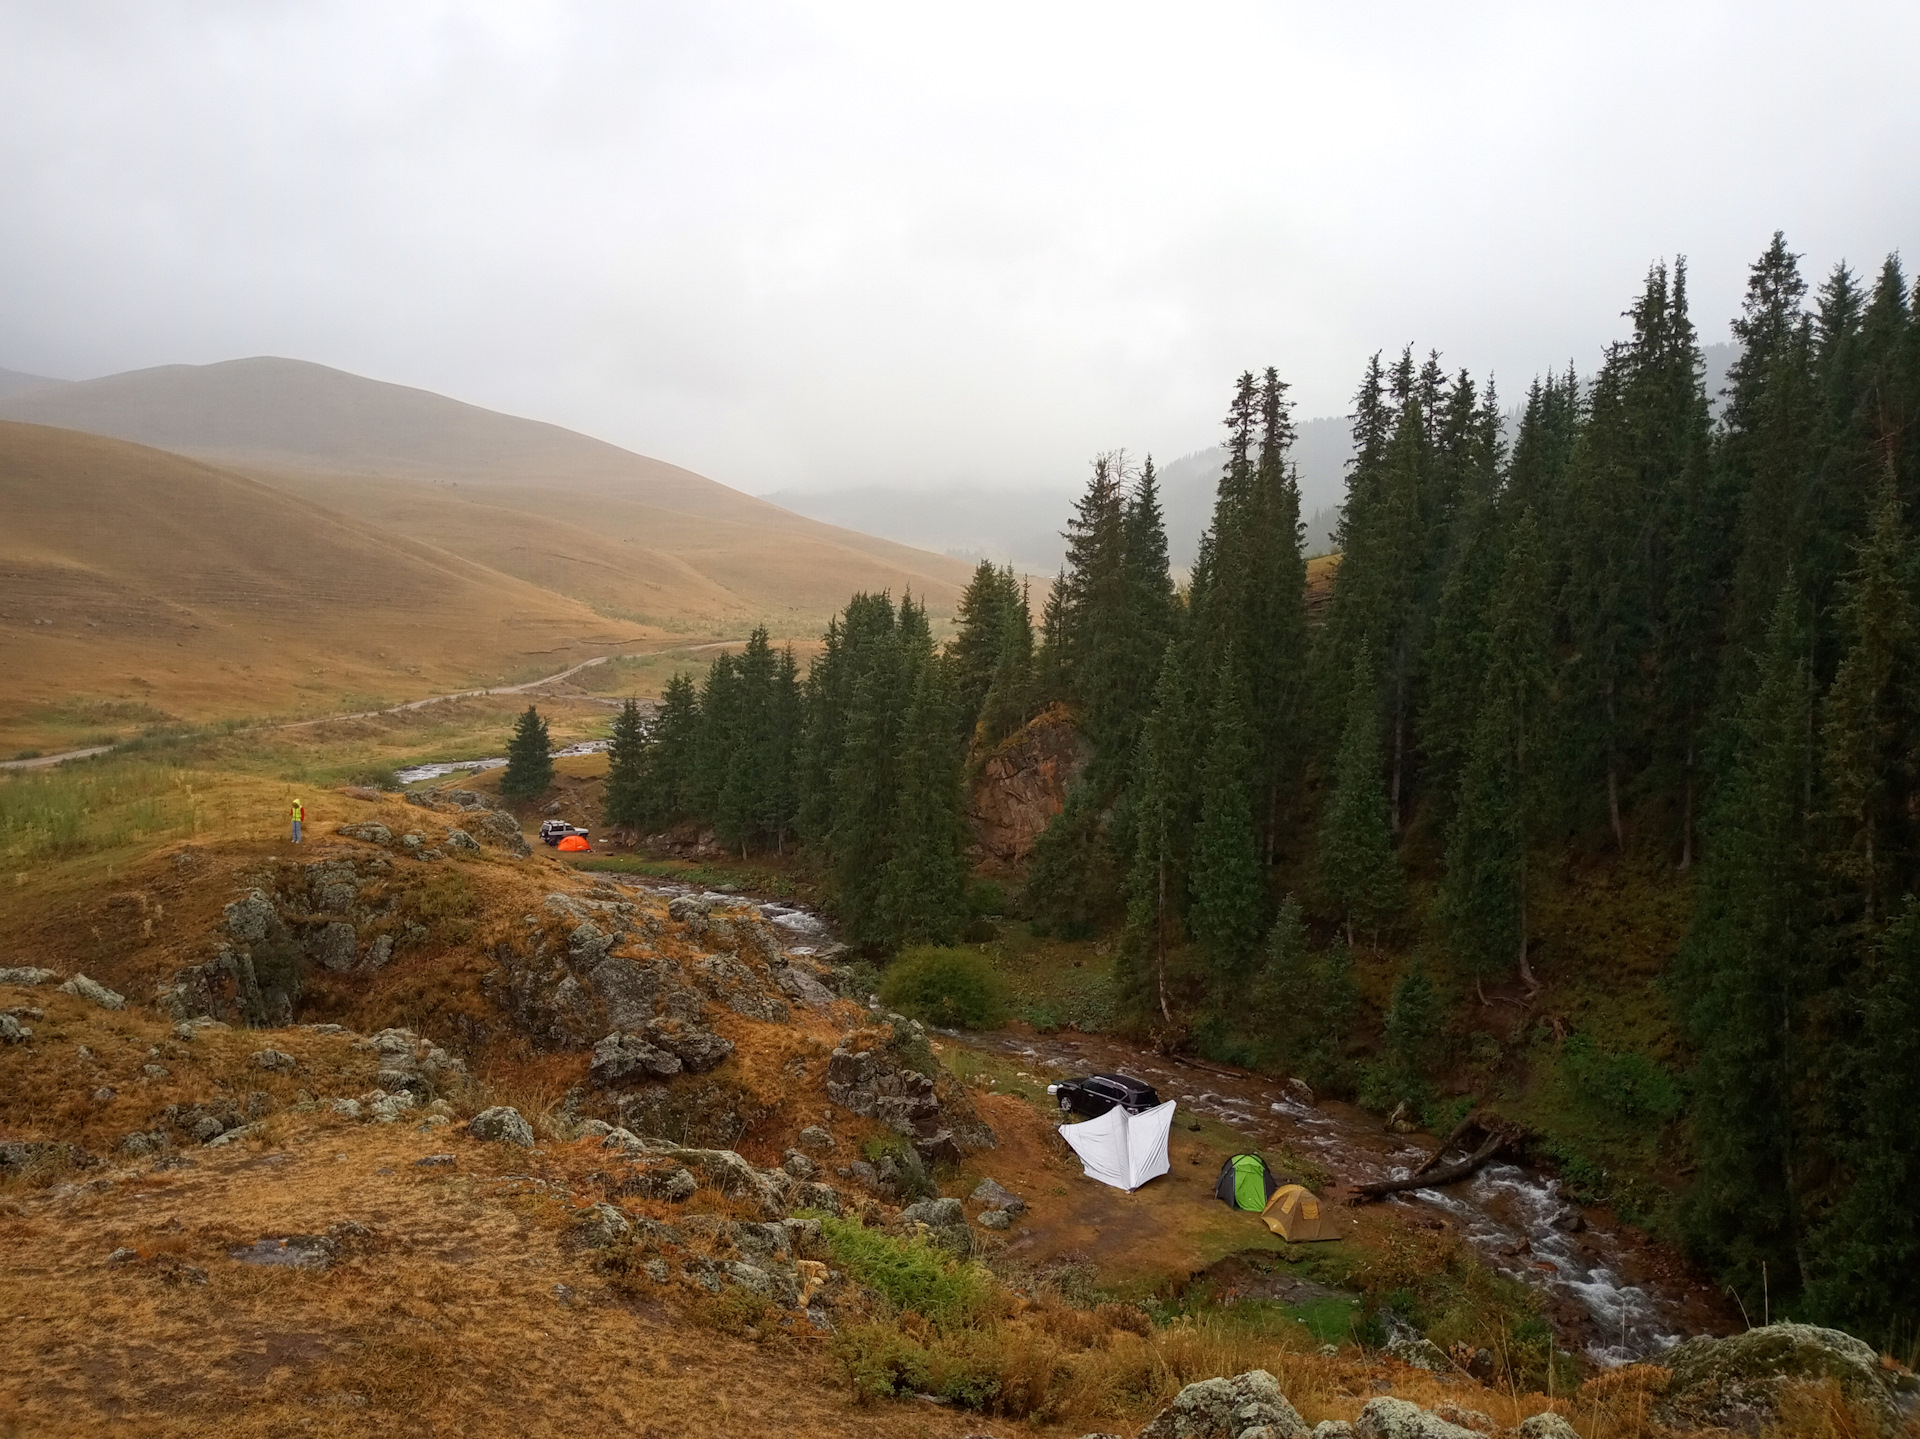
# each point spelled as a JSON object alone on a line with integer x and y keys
{"x": 296, "y": 831}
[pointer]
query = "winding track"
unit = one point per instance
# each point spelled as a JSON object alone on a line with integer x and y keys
{"x": 42, "y": 761}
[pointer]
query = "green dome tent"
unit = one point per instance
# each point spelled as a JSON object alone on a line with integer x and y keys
{"x": 1246, "y": 1183}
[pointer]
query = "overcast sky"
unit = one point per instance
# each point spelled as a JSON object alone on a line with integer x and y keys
{"x": 824, "y": 245}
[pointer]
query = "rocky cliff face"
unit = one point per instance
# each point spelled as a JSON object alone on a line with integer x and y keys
{"x": 1023, "y": 784}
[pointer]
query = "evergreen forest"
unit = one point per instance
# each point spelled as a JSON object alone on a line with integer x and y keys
{"x": 1626, "y": 637}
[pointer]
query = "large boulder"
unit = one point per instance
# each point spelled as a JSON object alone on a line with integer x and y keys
{"x": 414, "y": 1065}
{"x": 1737, "y": 1382}
{"x": 696, "y": 1048}
{"x": 502, "y": 1124}
{"x": 802, "y": 986}
{"x": 734, "y": 1177}
{"x": 94, "y": 992}
{"x": 624, "y": 1058}
{"x": 498, "y": 828}
{"x": 26, "y": 975}
{"x": 990, "y": 1193}
{"x": 334, "y": 945}
{"x": 1227, "y": 1409}
{"x": 1403, "y": 1419}
{"x": 599, "y": 1226}
{"x": 946, "y": 1224}
{"x": 1545, "y": 1425}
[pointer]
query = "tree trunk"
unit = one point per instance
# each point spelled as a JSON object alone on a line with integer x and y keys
{"x": 1495, "y": 1143}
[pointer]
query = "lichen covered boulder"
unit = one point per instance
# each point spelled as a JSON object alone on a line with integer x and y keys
{"x": 502, "y": 1124}
{"x": 1737, "y": 1382}
{"x": 1403, "y": 1419}
{"x": 1227, "y": 1408}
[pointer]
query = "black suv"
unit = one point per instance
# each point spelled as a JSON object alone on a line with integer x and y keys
{"x": 1097, "y": 1093}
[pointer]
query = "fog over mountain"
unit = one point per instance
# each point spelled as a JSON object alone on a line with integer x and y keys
{"x": 1023, "y": 526}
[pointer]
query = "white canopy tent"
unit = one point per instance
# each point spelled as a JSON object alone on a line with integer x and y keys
{"x": 1121, "y": 1149}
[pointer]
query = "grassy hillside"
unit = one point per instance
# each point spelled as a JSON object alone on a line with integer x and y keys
{"x": 626, "y": 534}
{"x": 138, "y": 587}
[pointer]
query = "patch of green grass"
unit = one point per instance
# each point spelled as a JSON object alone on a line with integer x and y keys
{"x": 745, "y": 878}
{"x": 970, "y": 1066}
{"x": 1055, "y": 983}
{"x": 913, "y": 1274}
{"x": 90, "y": 806}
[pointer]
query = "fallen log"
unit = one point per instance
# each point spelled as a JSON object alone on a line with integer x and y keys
{"x": 1472, "y": 1121}
{"x": 1495, "y": 1142}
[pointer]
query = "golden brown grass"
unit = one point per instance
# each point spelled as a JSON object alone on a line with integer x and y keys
{"x": 134, "y": 577}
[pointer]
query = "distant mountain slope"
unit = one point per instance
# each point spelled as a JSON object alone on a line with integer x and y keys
{"x": 629, "y": 534}
{"x": 133, "y": 577}
{"x": 13, "y": 382}
{"x": 1023, "y": 526}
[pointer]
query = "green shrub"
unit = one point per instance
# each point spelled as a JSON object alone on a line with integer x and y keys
{"x": 882, "y": 1363}
{"x": 986, "y": 899}
{"x": 913, "y": 1274}
{"x": 1628, "y": 1084}
{"x": 956, "y": 988}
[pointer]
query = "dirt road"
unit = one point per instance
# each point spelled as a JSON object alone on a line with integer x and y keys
{"x": 43, "y": 760}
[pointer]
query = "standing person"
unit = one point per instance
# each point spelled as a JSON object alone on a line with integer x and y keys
{"x": 299, "y": 813}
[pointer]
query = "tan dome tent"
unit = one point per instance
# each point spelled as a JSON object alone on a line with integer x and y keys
{"x": 1296, "y": 1216}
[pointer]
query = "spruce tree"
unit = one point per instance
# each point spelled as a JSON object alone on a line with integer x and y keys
{"x": 674, "y": 751}
{"x": 1865, "y": 1259}
{"x": 1009, "y": 701}
{"x": 1414, "y": 1035}
{"x": 1484, "y": 894}
{"x": 986, "y": 609}
{"x": 1867, "y": 717}
{"x": 922, "y": 897}
{"x": 1228, "y": 885}
{"x": 1764, "y": 451}
{"x": 865, "y": 780}
{"x": 720, "y": 705}
{"x": 1162, "y": 807}
{"x": 529, "y": 758}
{"x": 1357, "y": 865}
{"x": 1307, "y": 1002}
{"x": 1746, "y": 975}
{"x": 629, "y": 799}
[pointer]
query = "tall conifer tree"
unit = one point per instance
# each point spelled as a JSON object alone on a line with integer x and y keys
{"x": 1357, "y": 865}
{"x": 628, "y": 799}
{"x": 529, "y": 758}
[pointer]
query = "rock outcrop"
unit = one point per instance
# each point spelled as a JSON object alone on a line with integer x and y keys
{"x": 1023, "y": 784}
{"x": 889, "y": 1074}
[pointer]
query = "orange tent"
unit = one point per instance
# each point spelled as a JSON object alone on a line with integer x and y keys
{"x": 1294, "y": 1215}
{"x": 575, "y": 844}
